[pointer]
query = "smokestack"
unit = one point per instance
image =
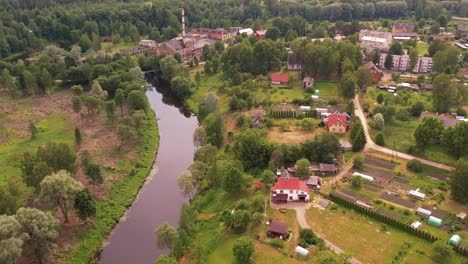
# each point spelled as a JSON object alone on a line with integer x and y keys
{"x": 183, "y": 19}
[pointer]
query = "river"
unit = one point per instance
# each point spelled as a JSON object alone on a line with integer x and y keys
{"x": 160, "y": 199}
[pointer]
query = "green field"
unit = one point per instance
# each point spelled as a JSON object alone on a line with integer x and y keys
{"x": 364, "y": 239}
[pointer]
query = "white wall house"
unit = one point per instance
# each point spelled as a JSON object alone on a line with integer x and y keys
{"x": 289, "y": 189}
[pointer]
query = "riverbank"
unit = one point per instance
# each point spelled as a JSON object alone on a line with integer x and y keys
{"x": 119, "y": 198}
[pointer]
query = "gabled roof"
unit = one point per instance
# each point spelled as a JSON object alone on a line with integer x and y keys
{"x": 330, "y": 167}
{"x": 290, "y": 183}
{"x": 280, "y": 77}
{"x": 293, "y": 59}
{"x": 278, "y": 227}
{"x": 404, "y": 27}
{"x": 337, "y": 117}
{"x": 462, "y": 27}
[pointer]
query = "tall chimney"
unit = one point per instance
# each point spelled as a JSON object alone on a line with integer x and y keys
{"x": 183, "y": 19}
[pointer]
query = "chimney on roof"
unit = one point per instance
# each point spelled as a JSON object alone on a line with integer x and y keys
{"x": 183, "y": 19}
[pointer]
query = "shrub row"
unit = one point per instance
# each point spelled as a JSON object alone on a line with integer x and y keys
{"x": 283, "y": 114}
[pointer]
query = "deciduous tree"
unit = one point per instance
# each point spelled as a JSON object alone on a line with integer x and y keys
{"x": 186, "y": 184}
{"x": 428, "y": 132}
{"x": 166, "y": 236}
{"x": 459, "y": 182}
{"x": 302, "y": 167}
{"x": 243, "y": 250}
{"x": 41, "y": 228}
{"x": 60, "y": 189}
{"x": 84, "y": 204}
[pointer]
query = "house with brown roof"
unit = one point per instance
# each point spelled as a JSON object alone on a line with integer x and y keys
{"x": 376, "y": 72}
{"x": 447, "y": 120}
{"x": 294, "y": 63}
{"x": 403, "y": 30}
{"x": 278, "y": 229}
{"x": 462, "y": 29}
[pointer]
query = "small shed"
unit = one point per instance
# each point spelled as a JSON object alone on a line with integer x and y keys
{"x": 423, "y": 212}
{"x": 278, "y": 229}
{"x": 301, "y": 251}
{"x": 416, "y": 224}
{"x": 308, "y": 82}
{"x": 434, "y": 221}
{"x": 455, "y": 240}
{"x": 345, "y": 145}
{"x": 461, "y": 216}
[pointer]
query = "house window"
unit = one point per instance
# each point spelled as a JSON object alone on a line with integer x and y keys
{"x": 281, "y": 191}
{"x": 290, "y": 191}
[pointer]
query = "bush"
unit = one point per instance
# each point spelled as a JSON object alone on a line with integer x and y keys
{"x": 358, "y": 163}
{"x": 93, "y": 171}
{"x": 403, "y": 115}
{"x": 356, "y": 182}
{"x": 414, "y": 165}
{"x": 310, "y": 238}
{"x": 379, "y": 139}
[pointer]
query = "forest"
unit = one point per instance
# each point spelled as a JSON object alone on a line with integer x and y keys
{"x": 29, "y": 25}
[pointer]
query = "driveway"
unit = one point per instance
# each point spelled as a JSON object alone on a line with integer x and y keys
{"x": 371, "y": 145}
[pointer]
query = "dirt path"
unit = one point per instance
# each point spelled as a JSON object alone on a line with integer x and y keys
{"x": 300, "y": 215}
{"x": 371, "y": 145}
{"x": 460, "y": 18}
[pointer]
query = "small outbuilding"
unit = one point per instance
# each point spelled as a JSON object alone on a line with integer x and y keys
{"x": 461, "y": 216}
{"x": 278, "y": 229}
{"x": 300, "y": 251}
{"x": 434, "y": 221}
{"x": 417, "y": 194}
{"x": 279, "y": 78}
{"x": 423, "y": 212}
{"x": 416, "y": 224}
{"x": 308, "y": 82}
{"x": 455, "y": 240}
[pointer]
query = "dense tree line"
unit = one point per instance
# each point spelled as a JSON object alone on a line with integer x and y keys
{"x": 26, "y": 24}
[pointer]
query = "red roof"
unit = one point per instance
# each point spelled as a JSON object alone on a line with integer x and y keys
{"x": 260, "y": 32}
{"x": 333, "y": 118}
{"x": 279, "y": 77}
{"x": 290, "y": 184}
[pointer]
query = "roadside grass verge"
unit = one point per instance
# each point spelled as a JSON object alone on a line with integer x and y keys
{"x": 119, "y": 198}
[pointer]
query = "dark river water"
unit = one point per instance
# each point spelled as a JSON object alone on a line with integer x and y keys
{"x": 159, "y": 201}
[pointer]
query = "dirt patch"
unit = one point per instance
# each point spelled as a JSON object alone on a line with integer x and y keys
{"x": 379, "y": 162}
{"x": 295, "y": 135}
{"x": 398, "y": 200}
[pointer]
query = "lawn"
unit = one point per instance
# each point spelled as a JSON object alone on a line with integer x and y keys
{"x": 422, "y": 48}
{"x": 109, "y": 46}
{"x": 327, "y": 89}
{"x": 363, "y": 238}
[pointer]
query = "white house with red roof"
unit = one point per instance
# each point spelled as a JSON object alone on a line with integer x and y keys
{"x": 337, "y": 123}
{"x": 289, "y": 189}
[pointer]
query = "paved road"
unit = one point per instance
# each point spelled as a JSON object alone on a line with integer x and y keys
{"x": 371, "y": 145}
{"x": 300, "y": 215}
